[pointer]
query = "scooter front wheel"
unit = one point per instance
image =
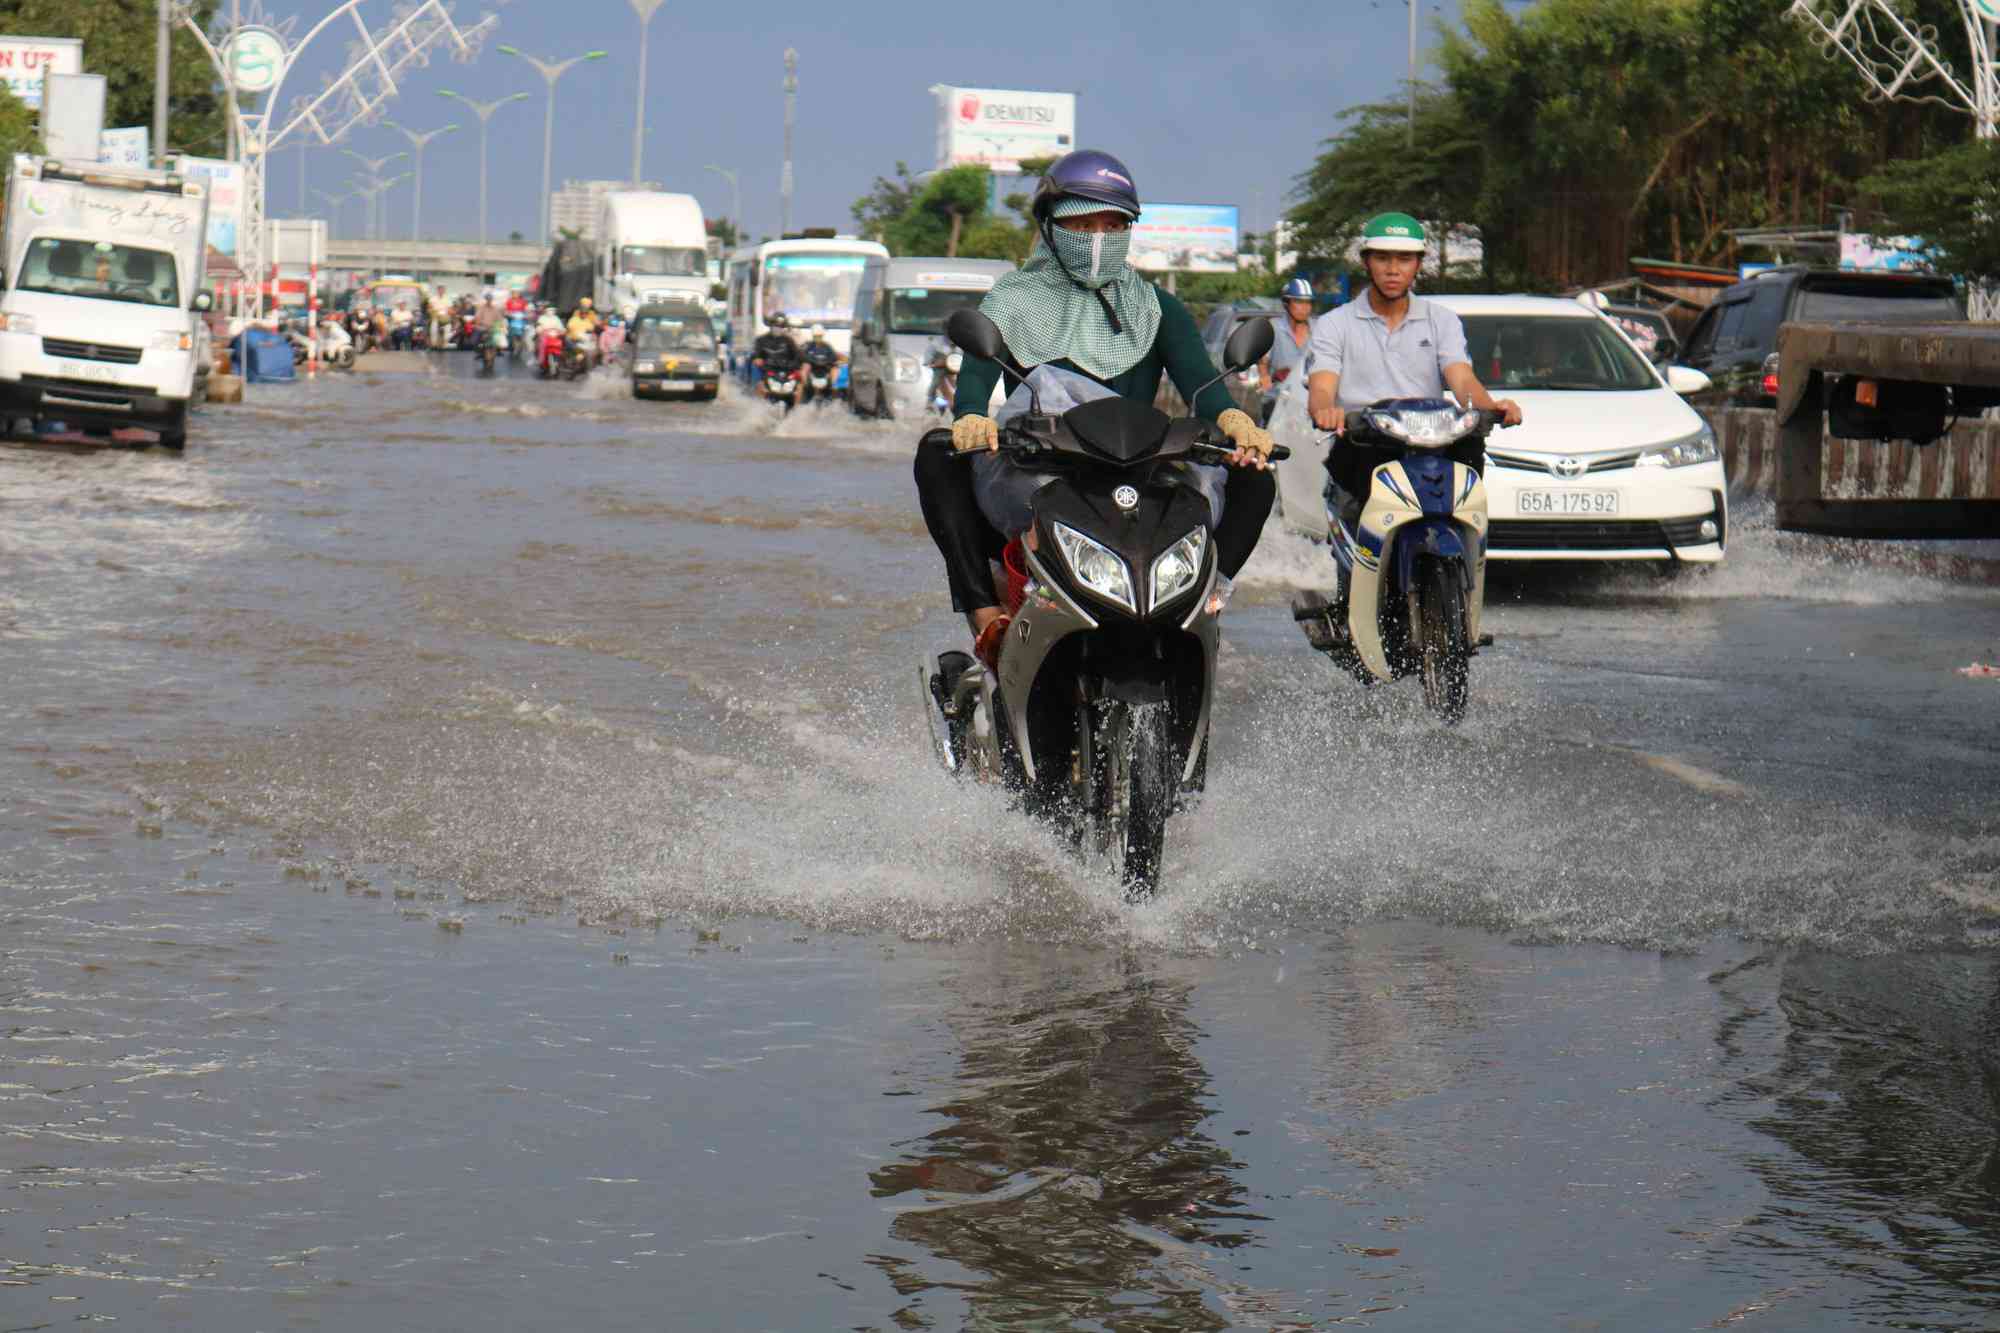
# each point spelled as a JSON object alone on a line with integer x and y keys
{"x": 1138, "y": 787}
{"x": 1446, "y": 658}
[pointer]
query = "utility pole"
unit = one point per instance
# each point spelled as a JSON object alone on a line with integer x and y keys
{"x": 1413, "y": 73}
{"x": 645, "y": 9}
{"x": 791, "y": 110}
{"x": 551, "y": 70}
{"x": 163, "y": 45}
{"x": 417, "y": 143}
{"x": 483, "y": 110}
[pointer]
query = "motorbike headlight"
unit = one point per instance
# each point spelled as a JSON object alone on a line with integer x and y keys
{"x": 907, "y": 369}
{"x": 1096, "y": 566}
{"x": 1435, "y": 426}
{"x": 167, "y": 340}
{"x": 1175, "y": 572}
{"x": 1696, "y": 448}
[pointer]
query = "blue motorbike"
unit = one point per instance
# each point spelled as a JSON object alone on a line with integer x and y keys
{"x": 1407, "y": 511}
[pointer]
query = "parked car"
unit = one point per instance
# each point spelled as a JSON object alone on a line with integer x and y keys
{"x": 1649, "y": 329}
{"x": 1222, "y": 322}
{"x": 1609, "y": 462}
{"x": 1735, "y": 342}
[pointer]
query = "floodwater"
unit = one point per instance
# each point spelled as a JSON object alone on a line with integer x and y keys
{"x": 472, "y": 860}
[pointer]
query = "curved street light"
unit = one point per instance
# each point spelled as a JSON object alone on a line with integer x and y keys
{"x": 645, "y": 9}
{"x": 417, "y": 144}
{"x": 483, "y": 110}
{"x": 735, "y": 198}
{"x": 550, "y": 70}
{"x": 377, "y": 228}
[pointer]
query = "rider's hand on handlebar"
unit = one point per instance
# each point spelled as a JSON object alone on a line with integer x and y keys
{"x": 975, "y": 432}
{"x": 1509, "y": 410}
{"x": 1253, "y": 442}
{"x": 1330, "y": 419}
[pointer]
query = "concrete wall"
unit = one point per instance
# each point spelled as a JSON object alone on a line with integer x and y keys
{"x": 1963, "y": 466}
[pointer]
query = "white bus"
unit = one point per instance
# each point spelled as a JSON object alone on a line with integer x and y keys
{"x": 810, "y": 281}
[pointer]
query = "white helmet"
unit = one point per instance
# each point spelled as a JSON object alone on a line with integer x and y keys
{"x": 629, "y": 310}
{"x": 819, "y": 330}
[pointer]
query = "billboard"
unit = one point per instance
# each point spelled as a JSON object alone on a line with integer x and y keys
{"x": 1185, "y": 238}
{"x": 23, "y": 61}
{"x": 1884, "y": 254}
{"x": 996, "y": 128}
{"x": 225, "y": 199}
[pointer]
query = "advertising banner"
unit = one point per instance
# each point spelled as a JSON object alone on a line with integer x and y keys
{"x": 23, "y": 61}
{"x": 224, "y": 181}
{"x": 1884, "y": 254}
{"x": 1185, "y": 238}
{"x": 124, "y": 147}
{"x": 996, "y": 128}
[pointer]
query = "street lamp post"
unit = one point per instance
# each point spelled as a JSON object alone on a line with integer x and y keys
{"x": 483, "y": 110}
{"x": 645, "y": 9}
{"x": 417, "y": 143}
{"x": 735, "y": 199}
{"x": 333, "y": 203}
{"x": 373, "y": 166}
{"x": 551, "y": 70}
{"x": 791, "y": 103}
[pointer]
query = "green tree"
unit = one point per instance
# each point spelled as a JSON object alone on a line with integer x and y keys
{"x": 18, "y": 133}
{"x": 118, "y": 40}
{"x": 723, "y": 229}
{"x": 1952, "y": 200}
{"x": 886, "y": 201}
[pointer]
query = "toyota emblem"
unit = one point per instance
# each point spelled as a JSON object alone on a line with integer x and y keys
{"x": 1125, "y": 498}
{"x": 1568, "y": 467}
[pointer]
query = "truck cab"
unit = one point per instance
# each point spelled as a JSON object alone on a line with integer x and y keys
{"x": 651, "y": 247}
{"x": 102, "y": 270}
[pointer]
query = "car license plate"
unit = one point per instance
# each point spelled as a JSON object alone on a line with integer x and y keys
{"x": 1592, "y": 504}
{"x": 677, "y": 384}
{"x": 84, "y": 370}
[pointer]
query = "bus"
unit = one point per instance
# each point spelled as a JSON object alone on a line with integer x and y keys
{"x": 810, "y": 281}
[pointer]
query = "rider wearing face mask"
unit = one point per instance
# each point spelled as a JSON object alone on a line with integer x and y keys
{"x": 1077, "y": 305}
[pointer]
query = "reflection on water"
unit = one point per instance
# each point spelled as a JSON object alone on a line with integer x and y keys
{"x": 1072, "y": 1178}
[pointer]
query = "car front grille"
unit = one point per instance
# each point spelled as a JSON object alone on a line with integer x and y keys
{"x": 1533, "y": 534}
{"x": 1546, "y": 466}
{"x": 78, "y": 351}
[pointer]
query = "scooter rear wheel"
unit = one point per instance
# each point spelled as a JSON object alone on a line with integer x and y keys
{"x": 1446, "y": 662}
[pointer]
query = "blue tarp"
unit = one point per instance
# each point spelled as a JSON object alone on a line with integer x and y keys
{"x": 261, "y": 355}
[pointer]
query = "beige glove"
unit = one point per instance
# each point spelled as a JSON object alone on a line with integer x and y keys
{"x": 969, "y": 433}
{"x": 1244, "y": 433}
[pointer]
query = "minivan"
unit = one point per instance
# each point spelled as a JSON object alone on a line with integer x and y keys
{"x": 899, "y": 315}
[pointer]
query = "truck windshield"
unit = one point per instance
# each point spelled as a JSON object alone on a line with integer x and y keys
{"x": 102, "y": 270}
{"x": 813, "y": 288}
{"x": 1552, "y": 352}
{"x": 925, "y": 309}
{"x": 662, "y": 261}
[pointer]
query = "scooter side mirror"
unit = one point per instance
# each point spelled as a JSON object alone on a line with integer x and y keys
{"x": 1248, "y": 344}
{"x": 972, "y": 332}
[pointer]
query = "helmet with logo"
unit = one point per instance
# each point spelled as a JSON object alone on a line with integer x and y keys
{"x": 1298, "y": 289}
{"x": 1086, "y": 174}
{"x": 1393, "y": 233}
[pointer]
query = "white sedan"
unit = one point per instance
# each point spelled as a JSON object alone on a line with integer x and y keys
{"x": 1608, "y": 463}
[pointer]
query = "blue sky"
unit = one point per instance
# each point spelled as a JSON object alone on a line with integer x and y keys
{"x": 1207, "y": 103}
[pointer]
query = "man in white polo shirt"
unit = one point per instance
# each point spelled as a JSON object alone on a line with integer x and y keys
{"x": 1387, "y": 343}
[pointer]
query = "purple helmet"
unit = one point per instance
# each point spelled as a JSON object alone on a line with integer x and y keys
{"x": 1086, "y": 174}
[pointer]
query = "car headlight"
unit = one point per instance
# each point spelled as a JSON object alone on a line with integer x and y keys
{"x": 17, "y": 323}
{"x": 1096, "y": 566}
{"x": 1696, "y": 448}
{"x": 1176, "y": 571}
{"x": 169, "y": 341}
{"x": 707, "y": 368}
{"x": 646, "y": 368}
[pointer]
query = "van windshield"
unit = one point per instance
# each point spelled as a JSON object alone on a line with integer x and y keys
{"x": 103, "y": 270}
{"x": 925, "y": 309}
{"x": 813, "y": 288}
{"x": 1552, "y": 352}
{"x": 663, "y": 261}
{"x": 655, "y": 334}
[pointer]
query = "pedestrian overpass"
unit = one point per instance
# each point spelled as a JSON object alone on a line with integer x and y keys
{"x": 445, "y": 260}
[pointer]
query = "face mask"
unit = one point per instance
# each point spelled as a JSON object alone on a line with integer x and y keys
{"x": 1092, "y": 258}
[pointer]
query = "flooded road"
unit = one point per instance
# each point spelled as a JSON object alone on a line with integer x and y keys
{"x": 472, "y": 859}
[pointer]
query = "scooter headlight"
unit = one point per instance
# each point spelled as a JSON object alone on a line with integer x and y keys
{"x": 1696, "y": 448}
{"x": 1429, "y": 426}
{"x": 908, "y": 370}
{"x": 1096, "y": 566}
{"x": 1177, "y": 571}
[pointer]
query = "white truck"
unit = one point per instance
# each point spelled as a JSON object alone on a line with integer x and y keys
{"x": 103, "y": 269}
{"x": 651, "y": 248}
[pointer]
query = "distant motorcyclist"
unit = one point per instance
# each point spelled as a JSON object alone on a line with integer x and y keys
{"x": 399, "y": 327}
{"x": 1287, "y": 358}
{"x": 584, "y": 322}
{"x": 774, "y": 348}
{"x": 549, "y": 335}
{"x": 438, "y": 310}
{"x": 821, "y": 358}
{"x": 1078, "y": 306}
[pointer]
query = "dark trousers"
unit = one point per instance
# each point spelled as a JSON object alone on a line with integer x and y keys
{"x": 967, "y": 541}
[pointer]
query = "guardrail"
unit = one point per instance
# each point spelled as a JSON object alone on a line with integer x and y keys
{"x": 1965, "y": 465}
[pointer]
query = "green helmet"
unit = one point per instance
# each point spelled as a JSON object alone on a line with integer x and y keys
{"x": 1394, "y": 232}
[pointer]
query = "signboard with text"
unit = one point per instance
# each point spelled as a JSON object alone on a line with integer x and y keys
{"x": 1185, "y": 238}
{"x": 997, "y": 128}
{"x": 225, "y": 199}
{"x": 24, "y": 60}
{"x": 125, "y": 147}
